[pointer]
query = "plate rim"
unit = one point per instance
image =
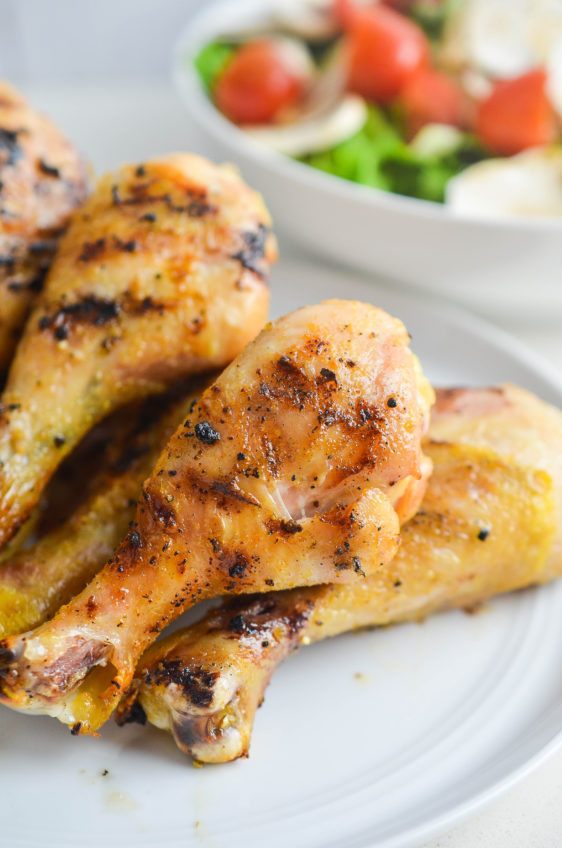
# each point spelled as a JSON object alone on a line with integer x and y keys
{"x": 518, "y": 352}
{"x": 521, "y": 352}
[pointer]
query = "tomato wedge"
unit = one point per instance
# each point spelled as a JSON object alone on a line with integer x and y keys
{"x": 256, "y": 84}
{"x": 516, "y": 115}
{"x": 431, "y": 97}
{"x": 385, "y": 49}
{"x": 343, "y": 11}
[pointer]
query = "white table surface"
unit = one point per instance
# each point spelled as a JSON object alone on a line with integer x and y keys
{"x": 117, "y": 122}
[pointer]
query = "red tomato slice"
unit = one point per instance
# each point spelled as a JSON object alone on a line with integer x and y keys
{"x": 344, "y": 11}
{"x": 256, "y": 84}
{"x": 516, "y": 115}
{"x": 385, "y": 48}
{"x": 431, "y": 97}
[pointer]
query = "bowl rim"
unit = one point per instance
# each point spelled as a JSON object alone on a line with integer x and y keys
{"x": 202, "y": 27}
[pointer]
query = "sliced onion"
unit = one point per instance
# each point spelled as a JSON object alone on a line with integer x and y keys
{"x": 314, "y": 134}
{"x": 529, "y": 184}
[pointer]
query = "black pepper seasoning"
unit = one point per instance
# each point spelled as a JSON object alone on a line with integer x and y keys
{"x": 206, "y": 433}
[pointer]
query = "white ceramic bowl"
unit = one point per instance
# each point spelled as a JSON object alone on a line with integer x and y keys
{"x": 510, "y": 269}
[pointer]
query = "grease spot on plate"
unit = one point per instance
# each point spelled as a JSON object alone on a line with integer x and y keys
{"x": 120, "y": 802}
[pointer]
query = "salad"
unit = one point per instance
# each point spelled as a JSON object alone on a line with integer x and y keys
{"x": 455, "y": 101}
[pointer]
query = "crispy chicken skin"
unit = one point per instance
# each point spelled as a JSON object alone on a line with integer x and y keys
{"x": 160, "y": 275}
{"x": 294, "y": 468}
{"x": 490, "y": 522}
{"x": 36, "y": 582}
{"x": 42, "y": 180}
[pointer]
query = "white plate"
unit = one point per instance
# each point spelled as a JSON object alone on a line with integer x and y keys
{"x": 445, "y": 715}
{"x": 487, "y": 265}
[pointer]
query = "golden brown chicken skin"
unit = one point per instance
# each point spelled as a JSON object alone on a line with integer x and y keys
{"x": 294, "y": 468}
{"x": 162, "y": 274}
{"x": 42, "y": 180}
{"x": 490, "y": 522}
{"x": 37, "y": 581}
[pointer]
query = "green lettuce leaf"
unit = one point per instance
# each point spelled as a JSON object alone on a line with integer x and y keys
{"x": 211, "y": 61}
{"x": 378, "y": 156}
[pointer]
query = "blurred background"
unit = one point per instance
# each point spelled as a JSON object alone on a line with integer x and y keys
{"x": 101, "y": 70}
{"x": 85, "y": 40}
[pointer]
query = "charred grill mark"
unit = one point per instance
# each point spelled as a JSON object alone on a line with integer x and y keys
{"x": 288, "y": 381}
{"x": 39, "y": 248}
{"x": 354, "y": 563}
{"x": 103, "y": 247}
{"x": 5, "y": 213}
{"x": 133, "y": 714}
{"x": 25, "y": 271}
{"x": 328, "y": 375}
{"x": 142, "y": 307}
{"x": 290, "y": 368}
{"x": 10, "y": 146}
{"x": 91, "y": 607}
{"x": 329, "y": 415}
{"x": 367, "y": 412}
{"x": 364, "y": 416}
{"x": 96, "y": 312}
{"x": 314, "y": 346}
{"x": 260, "y": 616}
{"x": 134, "y": 539}
{"x": 92, "y": 250}
{"x": 252, "y": 254}
{"x": 238, "y": 624}
{"x": 236, "y": 563}
{"x": 161, "y": 510}
{"x": 48, "y": 170}
{"x": 343, "y": 517}
{"x": 35, "y": 284}
{"x": 121, "y": 246}
{"x": 34, "y": 260}
{"x": 232, "y": 491}
{"x": 297, "y": 619}
{"x": 282, "y": 527}
{"x": 7, "y": 655}
{"x": 197, "y": 205}
{"x": 196, "y": 683}
{"x": 291, "y": 382}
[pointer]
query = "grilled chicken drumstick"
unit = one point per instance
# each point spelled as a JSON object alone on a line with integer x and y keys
{"x": 36, "y": 582}
{"x": 159, "y": 276}
{"x": 490, "y": 522}
{"x": 293, "y": 469}
{"x": 42, "y": 180}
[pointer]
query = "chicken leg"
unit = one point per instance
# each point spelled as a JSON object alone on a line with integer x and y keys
{"x": 37, "y": 581}
{"x": 42, "y": 180}
{"x": 490, "y": 522}
{"x": 295, "y": 468}
{"x": 160, "y": 275}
